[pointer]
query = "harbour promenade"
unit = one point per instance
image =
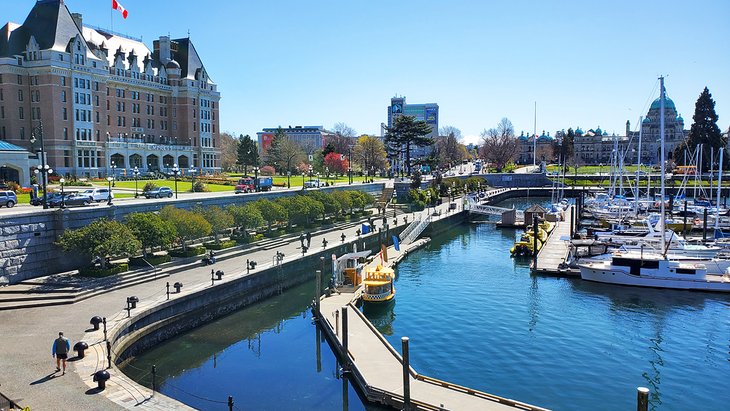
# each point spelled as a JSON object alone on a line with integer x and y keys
{"x": 555, "y": 250}
{"x": 378, "y": 368}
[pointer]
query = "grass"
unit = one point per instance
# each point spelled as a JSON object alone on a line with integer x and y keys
{"x": 605, "y": 170}
{"x": 182, "y": 186}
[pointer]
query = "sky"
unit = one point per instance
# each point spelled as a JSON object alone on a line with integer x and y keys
{"x": 581, "y": 63}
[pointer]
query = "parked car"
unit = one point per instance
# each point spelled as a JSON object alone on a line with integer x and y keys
{"x": 38, "y": 201}
{"x": 313, "y": 184}
{"x": 158, "y": 192}
{"x": 8, "y": 199}
{"x": 69, "y": 200}
{"x": 97, "y": 194}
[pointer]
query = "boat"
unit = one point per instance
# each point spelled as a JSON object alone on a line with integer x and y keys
{"x": 525, "y": 245}
{"x": 378, "y": 284}
{"x": 645, "y": 269}
{"x": 653, "y": 270}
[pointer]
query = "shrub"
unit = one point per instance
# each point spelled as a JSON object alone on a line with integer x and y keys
{"x": 221, "y": 245}
{"x": 200, "y": 187}
{"x": 103, "y": 272}
{"x": 152, "y": 259}
{"x": 248, "y": 240}
{"x": 150, "y": 186}
{"x": 13, "y": 186}
{"x": 267, "y": 171}
{"x": 190, "y": 252}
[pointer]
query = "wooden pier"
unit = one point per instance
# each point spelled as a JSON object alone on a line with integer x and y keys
{"x": 378, "y": 369}
{"x": 553, "y": 253}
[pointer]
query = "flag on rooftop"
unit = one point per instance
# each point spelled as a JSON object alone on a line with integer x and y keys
{"x": 120, "y": 8}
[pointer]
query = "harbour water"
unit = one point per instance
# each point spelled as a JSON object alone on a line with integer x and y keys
{"x": 475, "y": 317}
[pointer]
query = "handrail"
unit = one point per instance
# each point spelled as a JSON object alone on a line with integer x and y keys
{"x": 410, "y": 228}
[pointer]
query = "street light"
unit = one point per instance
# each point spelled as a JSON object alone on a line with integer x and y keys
{"x": 135, "y": 173}
{"x": 303, "y": 174}
{"x": 175, "y": 172}
{"x": 288, "y": 178}
{"x": 63, "y": 196}
{"x": 114, "y": 173}
{"x": 349, "y": 166}
{"x": 44, "y": 170}
{"x": 256, "y": 179}
{"x": 109, "y": 198}
{"x": 192, "y": 172}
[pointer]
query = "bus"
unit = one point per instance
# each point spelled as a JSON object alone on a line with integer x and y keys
{"x": 688, "y": 170}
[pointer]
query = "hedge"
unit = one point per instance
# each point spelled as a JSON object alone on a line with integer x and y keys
{"x": 101, "y": 272}
{"x": 152, "y": 259}
{"x": 220, "y": 246}
{"x": 191, "y": 252}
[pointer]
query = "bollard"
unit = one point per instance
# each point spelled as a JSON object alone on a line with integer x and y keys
{"x": 168, "y": 290}
{"x": 212, "y": 277}
{"x": 346, "y": 360}
{"x": 343, "y": 237}
{"x": 219, "y": 274}
{"x": 109, "y": 354}
{"x": 318, "y": 291}
{"x": 132, "y": 302}
{"x": 324, "y": 243}
{"x": 642, "y": 399}
{"x": 178, "y": 285}
{"x": 534, "y": 242}
{"x": 101, "y": 377}
{"x": 230, "y": 403}
{"x": 406, "y": 375}
{"x": 154, "y": 379}
{"x": 103, "y": 320}
{"x": 95, "y": 321}
{"x": 337, "y": 323}
{"x": 80, "y": 347}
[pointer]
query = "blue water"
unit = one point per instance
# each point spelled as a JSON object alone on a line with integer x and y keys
{"x": 478, "y": 318}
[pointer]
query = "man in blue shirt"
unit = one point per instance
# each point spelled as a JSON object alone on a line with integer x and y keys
{"x": 61, "y": 347}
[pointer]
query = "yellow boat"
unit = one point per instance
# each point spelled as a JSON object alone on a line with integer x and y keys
{"x": 378, "y": 285}
{"x": 524, "y": 247}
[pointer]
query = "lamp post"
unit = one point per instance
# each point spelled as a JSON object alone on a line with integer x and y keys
{"x": 303, "y": 174}
{"x": 113, "y": 167}
{"x": 326, "y": 174}
{"x": 288, "y": 178}
{"x": 349, "y": 166}
{"x": 175, "y": 172}
{"x": 44, "y": 170}
{"x": 135, "y": 173}
{"x": 310, "y": 171}
{"x": 63, "y": 194}
{"x": 109, "y": 197}
{"x": 192, "y": 172}
{"x": 256, "y": 179}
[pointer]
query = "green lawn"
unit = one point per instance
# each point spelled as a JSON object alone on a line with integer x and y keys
{"x": 182, "y": 186}
{"x": 605, "y": 170}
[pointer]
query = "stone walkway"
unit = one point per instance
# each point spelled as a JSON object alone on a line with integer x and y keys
{"x": 29, "y": 376}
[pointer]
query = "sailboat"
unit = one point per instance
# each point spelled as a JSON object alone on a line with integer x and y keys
{"x": 646, "y": 269}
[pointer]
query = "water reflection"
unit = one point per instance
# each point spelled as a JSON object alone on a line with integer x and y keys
{"x": 381, "y": 316}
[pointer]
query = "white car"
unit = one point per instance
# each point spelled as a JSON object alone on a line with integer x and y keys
{"x": 98, "y": 194}
{"x": 313, "y": 184}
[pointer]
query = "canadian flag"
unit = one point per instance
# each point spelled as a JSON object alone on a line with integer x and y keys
{"x": 117, "y": 6}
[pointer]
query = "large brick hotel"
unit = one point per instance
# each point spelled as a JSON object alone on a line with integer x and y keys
{"x": 103, "y": 98}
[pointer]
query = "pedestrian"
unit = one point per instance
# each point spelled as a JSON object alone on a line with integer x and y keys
{"x": 61, "y": 347}
{"x": 309, "y": 239}
{"x": 301, "y": 239}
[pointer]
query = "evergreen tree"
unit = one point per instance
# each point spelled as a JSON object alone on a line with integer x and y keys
{"x": 705, "y": 131}
{"x": 247, "y": 153}
{"x": 407, "y": 132}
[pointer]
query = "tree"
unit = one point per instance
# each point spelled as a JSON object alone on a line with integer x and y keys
{"x": 449, "y": 151}
{"x": 705, "y": 131}
{"x": 369, "y": 152}
{"x": 344, "y": 200}
{"x": 245, "y": 217}
{"x": 450, "y": 131}
{"x": 416, "y": 180}
{"x": 247, "y": 153}
{"x": 329, "y": 202}
{"x": 405, "y": 133}
{"x": 219, "y": 219}
{"x": 103, "y": 239}
{"x": 271, "y": 212}
{"x": 499, "y": 145}
{"x": 284, "y": 154}
{"x": 228, "y": 145}
{"x": 188, "y": 225}
{"x": 151, "y": 230}
{"x": 343, "y": 139}
{"x": 336, "y": 163}
{"x": 301, "y": 209}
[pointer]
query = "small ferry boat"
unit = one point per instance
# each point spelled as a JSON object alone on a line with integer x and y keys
{"x": 379, "y": 284}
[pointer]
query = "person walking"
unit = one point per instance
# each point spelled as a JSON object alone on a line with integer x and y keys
{"x": 301, "y": 239}
{"x": 61, "y": 347}
{"x": 309, "y": 239}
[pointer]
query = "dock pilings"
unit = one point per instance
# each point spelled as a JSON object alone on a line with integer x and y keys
{"x": 406, "y": 374}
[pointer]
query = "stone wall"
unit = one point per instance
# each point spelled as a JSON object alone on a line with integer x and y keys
{"x": 497, "y": 180}
{"x": 27, "y": 248}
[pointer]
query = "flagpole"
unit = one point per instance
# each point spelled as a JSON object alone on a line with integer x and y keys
{"x": 111, "y": 19}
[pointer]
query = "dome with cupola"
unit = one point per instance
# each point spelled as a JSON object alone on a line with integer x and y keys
{"x": 668, "y": 103}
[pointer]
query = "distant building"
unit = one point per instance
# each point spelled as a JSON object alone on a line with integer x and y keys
{"x": 310, "y": 138}
{"x": 428, "y": 112}
{"x": 104, "y": 98}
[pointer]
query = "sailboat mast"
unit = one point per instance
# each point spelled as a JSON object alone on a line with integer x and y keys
{"x": 719, "y": 187}
{"x": 638, "y": 168}
{"x": 699, "y": 169}
{"x": 534, "y": 138}
{"x": 662, "y": 217}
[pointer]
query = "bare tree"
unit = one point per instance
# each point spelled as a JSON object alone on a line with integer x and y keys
{"x": 449, "y": 151}
{"x": 450, "y": 131}
{"x": 369, "y": 153}
{"x": 499, "y": 145}
{"x": 344, "y": 137}
{"x": 228, "y": 145}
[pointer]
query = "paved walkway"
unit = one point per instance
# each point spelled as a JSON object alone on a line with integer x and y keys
{"x": 28, "y": 375}
{"x": 555, "y": 250}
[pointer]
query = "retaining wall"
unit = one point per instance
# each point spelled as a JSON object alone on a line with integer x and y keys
{"x": 27, "y": 248}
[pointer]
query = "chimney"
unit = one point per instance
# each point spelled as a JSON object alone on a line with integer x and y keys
{"x": 78, "y": 19}
{"x": 164, "y": 49}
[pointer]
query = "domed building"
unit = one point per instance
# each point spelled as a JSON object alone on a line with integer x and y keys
{"x": 674, "y": 132}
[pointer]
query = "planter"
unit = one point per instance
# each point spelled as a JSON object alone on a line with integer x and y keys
{"x": 191, "y": 252}
{"x": 103, "y": 272}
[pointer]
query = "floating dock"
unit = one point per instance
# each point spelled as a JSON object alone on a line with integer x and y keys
{"x": 552, "y": 255}
{"x": 378, "y": 369}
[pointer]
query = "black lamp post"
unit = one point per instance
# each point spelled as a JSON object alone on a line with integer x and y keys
{"x": 44, "y": 170}
{"x": 256, "y": 179}
{"x": 63, "y": 194}
{"x": 135, "y": 173}
{"x": 288, "y": 178}
{"x": 192, "y": 176}
{"x": 310, "y": 171}
{"x": 113, "y": 168}
{"x": 303, "y": 174}
{"x": 109, "y": 198}
{"x": 349, "y": 166}
{"x": 175, "y": 172}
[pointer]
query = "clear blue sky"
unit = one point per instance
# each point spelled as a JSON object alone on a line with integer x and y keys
{"x": 585, "y": 63}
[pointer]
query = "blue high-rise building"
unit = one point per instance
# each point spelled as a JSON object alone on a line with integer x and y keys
{"x": 428, "y": 112}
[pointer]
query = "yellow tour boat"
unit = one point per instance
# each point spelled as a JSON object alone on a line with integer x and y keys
{"x": 378, "y": 284}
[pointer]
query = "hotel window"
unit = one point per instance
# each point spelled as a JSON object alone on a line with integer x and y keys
{"x": 65, "y": 133}
{"x": 20, "y": 79}
{"x": 65, "y": 113}
{"x": 63, "y": 96}
{"x": 96, "y": 101}
{"x": 1, "y": 95}
{"x": 2, "y": 111}
{"x": 97, "y": 116}
{"x": 20, "y": 113}
{"x": 20, "y": 95}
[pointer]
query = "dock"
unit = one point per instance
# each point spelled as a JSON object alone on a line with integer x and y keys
{"x": 554, "y": 252}
{"x": 379, "y": 369}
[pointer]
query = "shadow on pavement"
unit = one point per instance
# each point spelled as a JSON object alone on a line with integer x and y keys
{"x": 93, "y": 391}
{"x": 45, "y": 379}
